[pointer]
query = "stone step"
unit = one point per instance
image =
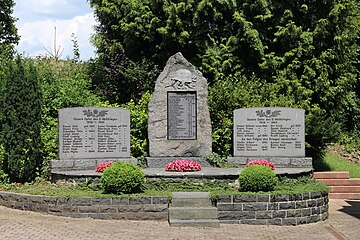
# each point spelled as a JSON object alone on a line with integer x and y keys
{"x": 331, "y": 175}
{"x": 341, "y": 182}
{"x": 195, "y": 223}
{"x": 191, "y": 199}
{"x": 350, "y": 196}
{"x": 344, "y": 189}
{"x": 189, "y": 213}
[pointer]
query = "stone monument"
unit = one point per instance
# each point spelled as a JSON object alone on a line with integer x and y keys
{"x": 273, "y": 133}
{"x": 179, "y": 125}
{"x": 91, "y": 135}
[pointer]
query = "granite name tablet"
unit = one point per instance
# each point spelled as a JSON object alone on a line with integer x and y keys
{"x": 94, "y": 132}
{"x": 269, "y": 132}
{"x": 181, "y": 115}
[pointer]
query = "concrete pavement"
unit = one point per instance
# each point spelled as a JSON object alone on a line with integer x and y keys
{"x": 343, "y": 223}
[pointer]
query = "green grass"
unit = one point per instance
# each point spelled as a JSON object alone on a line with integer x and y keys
{"x": 164, "y": 188}
{"x": 337, "y": 163}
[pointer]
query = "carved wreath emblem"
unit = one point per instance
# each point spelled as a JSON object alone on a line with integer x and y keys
{"x": 268, "y": 113}
{"x": 95, "y": 113}
{"x": 182, "y": 80}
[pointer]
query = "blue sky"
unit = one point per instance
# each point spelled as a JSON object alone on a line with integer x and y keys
{"x": 37, "y": 20}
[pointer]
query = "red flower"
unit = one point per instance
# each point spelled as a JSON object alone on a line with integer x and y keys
{"x": 102, "y": 166}
{"x": 183, "y": 166}
{"x": 262, "y": 162}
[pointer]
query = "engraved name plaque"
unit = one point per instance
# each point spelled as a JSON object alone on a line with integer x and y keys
{"x": 92, "y": 132}
{"x": 181, "y": 115}
{"x": 269, "y": 132}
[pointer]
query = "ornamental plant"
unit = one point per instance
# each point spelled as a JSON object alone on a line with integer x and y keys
{"x": 102, "y": 166}
{"x": 183, "y": 166}
{"x": 261, "y": 162}
{"x": 257, "y": 178}
{"x": 122, "y": 178}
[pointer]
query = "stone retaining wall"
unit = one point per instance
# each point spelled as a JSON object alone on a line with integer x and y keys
{"x": 275, "y": 210}
{"x": 131, "y": 208}
{"x": 258, "y": 209}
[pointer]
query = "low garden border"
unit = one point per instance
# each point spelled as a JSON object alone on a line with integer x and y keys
{"x": 263, "y": 209}
{"x": 289, "y": 209}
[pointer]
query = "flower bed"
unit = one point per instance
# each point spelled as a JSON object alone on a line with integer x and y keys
{"x": 183, "y": 166}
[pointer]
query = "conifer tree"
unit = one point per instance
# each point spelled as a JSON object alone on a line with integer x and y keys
{"x": 21, "y": 122}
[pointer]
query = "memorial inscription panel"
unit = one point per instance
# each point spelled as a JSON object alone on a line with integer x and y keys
{"x": 269, "y": 132}
{"x": 86, "y": 133}
{"x": 181, "y": 115}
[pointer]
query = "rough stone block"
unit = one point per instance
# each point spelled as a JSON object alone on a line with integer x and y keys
{"x": 311, "y": 203}
{"x": 275, "y": 221}
{"x": 300, "y": 204}
{"x": 225, "y": 199}
{"x": 263, "y": 215}
{"x": 306, "y": 212}
{"x": 139, "y": 200}
{"x": 226, "y": 207}
{"x": 280, "y": 198}
{"x": 107, "y": 208}
{"x": 254, "y": 206}
{"x": 279, "y": 214}
{"x": 233, "y": 215}
{"x": 293, "y": 213}
{"x": 159, "y": 200}
{"x": 255, "y": 221}
{"x": 263, "y": 198}
{"x": 89, "y": 209}
{"x": 245, "y": 198}
{"x": 80, "y": 201}
{"x": 120, "y": 201}
{"x": 155, "y": 207}
{"x": 286, "y": 205}
{"x": 289, "y": 221}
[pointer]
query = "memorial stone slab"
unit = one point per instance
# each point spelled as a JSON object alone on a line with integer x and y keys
{"x": 179, "y": 119}
{"x": 94, "y": 133}
{"x": 269, "y": 132}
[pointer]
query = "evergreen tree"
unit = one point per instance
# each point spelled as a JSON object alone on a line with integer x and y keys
{"x": 21, "y": 122}
{"x": 8, "y": 31}
{"x": 289, "y": 53}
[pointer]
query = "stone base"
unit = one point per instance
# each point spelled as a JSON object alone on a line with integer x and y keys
{"x": 282, "y": 162}
{"x": 84, "y": 164}
{"x": 160, "y": 162}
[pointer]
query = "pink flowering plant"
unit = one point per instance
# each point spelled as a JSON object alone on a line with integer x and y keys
{"x": 262, "y": 162}
{"x": 183, "y": 166}
{"x": 102, "y": 166}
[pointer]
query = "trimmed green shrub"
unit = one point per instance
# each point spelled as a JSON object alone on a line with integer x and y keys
{"x": 257, "y": 178}
{"x": 21, "y": 122}
{"x": 122, "y": 178}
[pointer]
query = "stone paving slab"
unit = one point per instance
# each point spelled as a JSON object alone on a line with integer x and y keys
{"x": 343, "y": 223}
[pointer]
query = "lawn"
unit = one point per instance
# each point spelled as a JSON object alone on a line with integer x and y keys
{"x": 164, "y": 188}
{"x": 334, "y": 162}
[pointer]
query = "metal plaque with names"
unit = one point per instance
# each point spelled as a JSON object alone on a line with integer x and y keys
{"x": 181, "y": 115}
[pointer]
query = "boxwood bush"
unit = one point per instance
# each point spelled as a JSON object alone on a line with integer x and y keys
{"x": 122, "y": 178}
{"x": 257, "y": 178}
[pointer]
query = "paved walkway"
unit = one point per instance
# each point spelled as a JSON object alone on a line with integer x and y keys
{"x": 344, "y": 223}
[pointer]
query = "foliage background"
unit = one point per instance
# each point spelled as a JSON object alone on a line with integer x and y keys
{"x": 301, "y": 54}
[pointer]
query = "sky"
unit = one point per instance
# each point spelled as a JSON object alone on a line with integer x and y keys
{"x": 37, "y": 20}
